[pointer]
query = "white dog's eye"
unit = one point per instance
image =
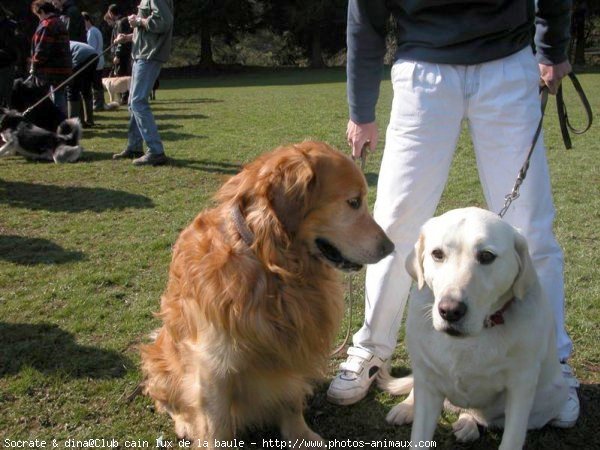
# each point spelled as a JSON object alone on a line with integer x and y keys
{"x": 355, "y": 202}
{"x": 485, "y": 257}
{"x": 437, "y": 255}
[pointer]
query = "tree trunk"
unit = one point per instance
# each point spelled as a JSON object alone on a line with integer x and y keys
{"x": 578, "y": 20}
{"x": 206, "y": 54}
{"x": 316, "y": 52}
{"x": 580, "y": 46}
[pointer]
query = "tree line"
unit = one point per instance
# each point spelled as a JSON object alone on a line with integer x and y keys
{"x": 316, "y": 27}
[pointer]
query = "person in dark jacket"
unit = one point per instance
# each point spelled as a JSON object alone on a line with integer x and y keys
{"x": 107, "y": 27}
{"x": 8, "y": 58}
{"x": 80, "y": 88}
{"x": 50, "y": 53}
{"x": 71, "y": 16}
{"x": 455, "y": 61}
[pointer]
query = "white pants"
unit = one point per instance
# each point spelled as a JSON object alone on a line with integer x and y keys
{"x": 499, "y": 100}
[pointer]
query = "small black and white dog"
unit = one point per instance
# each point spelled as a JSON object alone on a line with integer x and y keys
{"x": 26, "y": 139}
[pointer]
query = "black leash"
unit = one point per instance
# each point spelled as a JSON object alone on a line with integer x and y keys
{"x": 563, "y": 117}
{"x": 57, "y": 88}
{"x": 565, "y": 126}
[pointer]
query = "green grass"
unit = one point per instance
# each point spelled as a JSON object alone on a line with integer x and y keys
{"x": 85, "y": 249}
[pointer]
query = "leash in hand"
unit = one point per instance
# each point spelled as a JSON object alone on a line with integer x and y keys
{"x": 361, "y": 161}
{"x": 41, "y": 100}
{"x": 565, "y": 126}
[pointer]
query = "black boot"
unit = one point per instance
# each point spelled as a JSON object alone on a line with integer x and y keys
{"x": 88, "y": 110}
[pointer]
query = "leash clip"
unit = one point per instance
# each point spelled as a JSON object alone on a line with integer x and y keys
{"x": 362, "y": 158}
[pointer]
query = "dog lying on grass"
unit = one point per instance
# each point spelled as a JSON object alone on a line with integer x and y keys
{"x": 23, "y": 138}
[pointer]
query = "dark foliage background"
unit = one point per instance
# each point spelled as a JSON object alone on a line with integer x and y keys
{"x": 278, "y": 32}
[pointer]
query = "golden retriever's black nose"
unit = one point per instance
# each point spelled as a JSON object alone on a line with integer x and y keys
{"x": 452, "y": 310}
{"x": 385, "y": 247}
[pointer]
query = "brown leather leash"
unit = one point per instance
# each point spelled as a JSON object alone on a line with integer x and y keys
{"x": 565, "y": 126}
{"x": 362, "y": 162}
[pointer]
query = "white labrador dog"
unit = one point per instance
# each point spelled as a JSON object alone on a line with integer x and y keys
{"x": 479, "y": 331}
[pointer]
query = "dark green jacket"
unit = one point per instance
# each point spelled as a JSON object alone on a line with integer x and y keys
{"x": 154, "y": 42}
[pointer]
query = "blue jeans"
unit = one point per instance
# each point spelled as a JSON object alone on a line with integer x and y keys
{"x": 142, "y": 127}
{"x": 59, "y": 98}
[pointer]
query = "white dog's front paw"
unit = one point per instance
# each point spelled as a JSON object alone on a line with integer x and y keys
{"x": 465, "y": 428}
{"x": 401, "y": 414}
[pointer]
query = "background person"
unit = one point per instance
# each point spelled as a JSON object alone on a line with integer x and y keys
{"x": 122, "y": 51}
{"x": 94, "y": 40}
{"x": 80, "y": 88}
{"x": 454, "y": 62}
{"x": 50, "y": 53}
{"x": 71, "y": 16}
{"x": 8, "y": 57}
{"x": 107, "y": 26}
{"x": 153, "y": 29}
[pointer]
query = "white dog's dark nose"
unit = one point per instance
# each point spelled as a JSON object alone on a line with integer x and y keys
{"x": 452, "y": 310}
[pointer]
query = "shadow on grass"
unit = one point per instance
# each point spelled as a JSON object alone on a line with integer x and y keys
{"x": 246, "y": 76}
{"x": 91, "y": 156}
{"x": 168, "y": 116}
{"x": 68, "y": 198}
{"x": 49, "y": 349}
{"x": 32, "y": 251}
{"x": 188, "y": 101}
{"x": 207, "y": 165}
{"x": 165, "y": 134}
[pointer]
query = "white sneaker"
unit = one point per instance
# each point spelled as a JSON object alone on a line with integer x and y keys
{"x": 355, "y": 377}
{"x": 570, "y": 411}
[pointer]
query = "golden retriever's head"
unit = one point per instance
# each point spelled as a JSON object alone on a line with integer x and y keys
{"x": 307, "y": 199}
{"x": 474, "y": 263}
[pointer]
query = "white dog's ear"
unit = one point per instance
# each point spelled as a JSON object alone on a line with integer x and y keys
{"x": 526, "y": 276}
{"x": 414, "y": 262}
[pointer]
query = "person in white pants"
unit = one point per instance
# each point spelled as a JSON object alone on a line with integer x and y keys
{"x": 499, "y": 100}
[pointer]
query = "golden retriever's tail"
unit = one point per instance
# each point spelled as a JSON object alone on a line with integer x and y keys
{"x": 394, "y": 386}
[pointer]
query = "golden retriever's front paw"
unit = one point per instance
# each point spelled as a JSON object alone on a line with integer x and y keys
{"x": 401, "y": 414}
{"x": 465, "y": 428}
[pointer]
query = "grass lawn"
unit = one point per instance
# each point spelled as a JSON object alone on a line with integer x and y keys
{"x": 85, "y": 249}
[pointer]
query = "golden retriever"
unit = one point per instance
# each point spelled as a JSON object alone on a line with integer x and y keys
{"x": 254, "y": 301}
{"x": 479, "y": 332}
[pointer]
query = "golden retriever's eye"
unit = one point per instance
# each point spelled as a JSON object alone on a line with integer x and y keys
{"x": 485, "y": 257}
{"x": 437, "y": 255}
{"x": 355, "y": 202}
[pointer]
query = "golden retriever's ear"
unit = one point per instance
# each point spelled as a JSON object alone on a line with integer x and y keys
{"x": 414, "y": 262}
{"x": 526, "y": 276}
{"x": 290, "y": 190}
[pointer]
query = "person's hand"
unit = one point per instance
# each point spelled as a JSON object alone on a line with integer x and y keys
{"x": 132, "y": 19}
{"x": 360, "y": 134}
{"x": 121, "y": 37}
{"x": 551, "y": 75}
{"x": 35, "y": 80}
{"x": 116, "y": 60}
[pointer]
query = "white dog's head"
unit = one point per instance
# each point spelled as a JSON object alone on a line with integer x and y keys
{"x": 474, "y": 263}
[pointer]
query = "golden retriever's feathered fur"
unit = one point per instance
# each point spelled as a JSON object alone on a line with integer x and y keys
{"x": 248, "y": 329}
